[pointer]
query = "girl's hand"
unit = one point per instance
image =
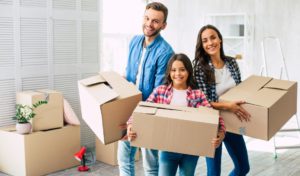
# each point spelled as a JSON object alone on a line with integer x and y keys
{"x": 131, "y": 135}
{"x": 216, "y": 142}
{"x": 238, "y": 110}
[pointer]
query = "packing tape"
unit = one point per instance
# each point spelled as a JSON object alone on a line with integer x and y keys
{"x": 46, "y": 94}
{"x": 242, "y": 130}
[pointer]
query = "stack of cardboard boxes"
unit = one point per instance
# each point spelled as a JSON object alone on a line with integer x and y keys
{"x": 49, "y": 148}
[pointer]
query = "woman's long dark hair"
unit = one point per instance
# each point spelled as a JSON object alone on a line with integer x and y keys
{"x": 202, "y": 58}
{"x": 188, "y": 66}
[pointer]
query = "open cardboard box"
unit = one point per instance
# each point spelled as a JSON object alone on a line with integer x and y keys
{"x": 271, "y": 103}
{"x": 175, "y": 129}
{"x": 107, "y": 101}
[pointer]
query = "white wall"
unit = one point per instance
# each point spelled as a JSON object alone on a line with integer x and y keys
{"x": 271, "y": 18}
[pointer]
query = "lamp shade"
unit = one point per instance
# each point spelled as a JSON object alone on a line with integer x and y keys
{"x": 79, "y": 155}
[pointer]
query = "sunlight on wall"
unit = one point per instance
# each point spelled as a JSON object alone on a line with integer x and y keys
{"x": 119, "y": 24}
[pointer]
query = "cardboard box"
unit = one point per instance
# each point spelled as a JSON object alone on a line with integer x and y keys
{"x": 271, "y": 103}
{"x": 109, "y": 153}
{"x": 38, "y": 153}
{"x": 107, "y": 101}
{"x": 48, "y": 116}
{"x": 175, "y": 129}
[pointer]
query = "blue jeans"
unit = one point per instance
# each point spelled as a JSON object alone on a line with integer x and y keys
{"x": 150, "y": 162}
{"x": 126, "y": 155}
{"x": 169, "y": 162}
{"x": 237, "y": 150}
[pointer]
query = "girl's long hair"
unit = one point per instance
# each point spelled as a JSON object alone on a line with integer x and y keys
{"x": 202, "y": 58}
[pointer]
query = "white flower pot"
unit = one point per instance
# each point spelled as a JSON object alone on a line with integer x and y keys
{"x": 23, "y": 128}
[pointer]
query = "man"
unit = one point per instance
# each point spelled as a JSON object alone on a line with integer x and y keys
{"x": 147, "y": 62}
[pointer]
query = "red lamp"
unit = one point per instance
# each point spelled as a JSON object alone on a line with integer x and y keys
{"x": 80, "y": 156}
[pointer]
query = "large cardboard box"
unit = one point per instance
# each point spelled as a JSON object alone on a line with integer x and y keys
{"x": 109, "y": 153}
{"x": 107, "y": 101}
{"x": 48, "y": 116}
{"x": 175, "y": 129}
{"x": 271, "y": 103}
{"x": 38, "y": 153}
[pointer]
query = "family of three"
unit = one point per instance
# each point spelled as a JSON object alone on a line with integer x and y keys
{"x": 168, "y": 78}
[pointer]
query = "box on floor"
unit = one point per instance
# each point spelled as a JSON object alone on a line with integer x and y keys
{"x": 38, "y": 153}
{"x": 48, "y": 116}
{"x": 109, "y": 153}
{"x": 175, "y": 129}
{"x": 107, "y": 100}
{"x": 271, "y": 103}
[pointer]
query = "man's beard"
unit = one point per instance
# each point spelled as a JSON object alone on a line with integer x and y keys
{"x": 152, "y": 34}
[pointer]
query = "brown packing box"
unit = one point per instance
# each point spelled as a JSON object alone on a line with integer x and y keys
{"x": 109, "y": 153}
{"x": 107, "y": 101}
{"x": 271, "y": 103}
{"x": 175, "y": 129}
{"x": 38, "y": 153}
{"x": 48, "y": 116}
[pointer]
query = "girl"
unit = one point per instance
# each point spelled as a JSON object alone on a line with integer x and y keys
{"x": 179, "y": 89}
{"x": 215, "y": 73}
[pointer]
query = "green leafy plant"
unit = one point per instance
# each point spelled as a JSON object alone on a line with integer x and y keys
{"x": 24, "y": 112}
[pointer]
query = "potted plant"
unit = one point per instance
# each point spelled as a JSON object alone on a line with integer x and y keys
{"x": 23, "y": 115}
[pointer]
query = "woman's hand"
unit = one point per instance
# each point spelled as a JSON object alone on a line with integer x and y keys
{"x": 238, "y": 110}
{"x": 131, "y": 135}
{"x": 216, "y": 142}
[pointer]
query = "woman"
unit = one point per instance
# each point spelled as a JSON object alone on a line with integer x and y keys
{"x": 215, "y": 73}
{"x": 179, "y": 89}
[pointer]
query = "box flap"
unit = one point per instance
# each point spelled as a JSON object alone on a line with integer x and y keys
{"x": 189, "y": 116}
{"x": 253, "y": 83}
{"x": 102, "y": 93}
{"x": 280, "y": 84}
{"x": 120, "y": 84}
{"x": 266, "y": 97}
{"x": 92, "y": 80}
{"x": 165, "y": 106}
{"x": 145, "y": 109}
{"x": 235, "y": 95}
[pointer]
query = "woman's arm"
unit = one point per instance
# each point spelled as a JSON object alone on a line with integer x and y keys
{"x": 233, "y": 106}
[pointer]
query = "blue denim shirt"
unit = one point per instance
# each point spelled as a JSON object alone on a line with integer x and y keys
{"x": 154, "y": 65}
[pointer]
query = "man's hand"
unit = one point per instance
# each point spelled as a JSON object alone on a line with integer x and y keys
{"x": 131, "y": 134}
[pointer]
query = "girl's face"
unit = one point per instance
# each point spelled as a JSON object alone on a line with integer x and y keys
{"x": 211, "y": 42}
{"x": 179, "y": 75}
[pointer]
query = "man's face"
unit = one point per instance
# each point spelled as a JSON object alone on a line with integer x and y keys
{"x": 153, "y": 22}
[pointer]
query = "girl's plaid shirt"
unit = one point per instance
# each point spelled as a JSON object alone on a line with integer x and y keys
{"x": 195, "y": 98}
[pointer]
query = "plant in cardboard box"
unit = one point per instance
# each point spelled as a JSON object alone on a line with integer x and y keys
{"x": 23, "y": 115}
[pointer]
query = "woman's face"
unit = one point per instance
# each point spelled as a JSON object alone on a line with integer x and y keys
{"x": 211, "y": 42}
{"x": 179, "y": 75}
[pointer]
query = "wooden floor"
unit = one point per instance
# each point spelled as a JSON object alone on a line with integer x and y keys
{"x": 261, "y": 156}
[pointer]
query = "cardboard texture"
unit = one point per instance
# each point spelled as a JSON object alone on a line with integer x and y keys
{"x": 48, "y": 116}
{"x": 107, "y": 101}
{"x": 38, "y": 153}
{"x": 109, "y": 153}
{"x": 271, "y": 103}
{"x": 175, "y": 129}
